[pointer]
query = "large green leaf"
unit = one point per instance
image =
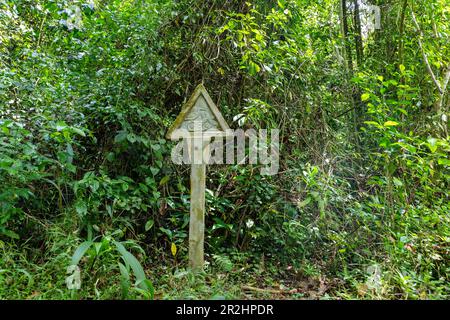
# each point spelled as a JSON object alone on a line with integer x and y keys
{"x": 130, "y": 260}
{"x": 81, "y": 250}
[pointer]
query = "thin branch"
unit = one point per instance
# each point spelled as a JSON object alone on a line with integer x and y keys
{"x": 445, "y": 83}
{"x": 446, "y": 80}
{"x": 425, "y": 58}
{"x": 40, "y": 32}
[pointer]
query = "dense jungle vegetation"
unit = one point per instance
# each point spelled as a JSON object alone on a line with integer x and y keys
{"x": 358, "y": 210}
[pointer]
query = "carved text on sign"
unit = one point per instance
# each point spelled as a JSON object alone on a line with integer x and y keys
{"x": 200, "y": 113}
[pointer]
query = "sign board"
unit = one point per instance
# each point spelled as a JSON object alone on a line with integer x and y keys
{"x": 199, "y": 109}
{"x": 198, "y": 121}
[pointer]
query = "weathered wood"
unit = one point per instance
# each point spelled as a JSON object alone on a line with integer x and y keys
{"x": 197, "y": 217}
{"x": 198, "y": 121}
{"x": 197, "y": 211}
{"x": 199, "y": 107}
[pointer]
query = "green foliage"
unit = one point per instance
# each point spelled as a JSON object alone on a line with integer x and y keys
{"x": 89, "y": 88}
{"x": 105, "y": 247}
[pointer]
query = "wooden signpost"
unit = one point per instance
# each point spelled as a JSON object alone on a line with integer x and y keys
{"x": 198, "y": 121}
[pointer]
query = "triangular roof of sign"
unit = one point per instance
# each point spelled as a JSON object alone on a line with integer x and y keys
{"x": 187, "y": 107}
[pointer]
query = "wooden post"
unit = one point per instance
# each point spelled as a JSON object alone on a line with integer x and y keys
{"x": 197, "y": 211}
{"x": 197, "y": 216}
{"x": 198, "y": 121}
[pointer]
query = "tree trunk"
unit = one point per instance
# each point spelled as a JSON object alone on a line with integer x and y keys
{"x": 344, "y": 30}
{"x": 401, "y": 32}
{"x": 358, "y": 34}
